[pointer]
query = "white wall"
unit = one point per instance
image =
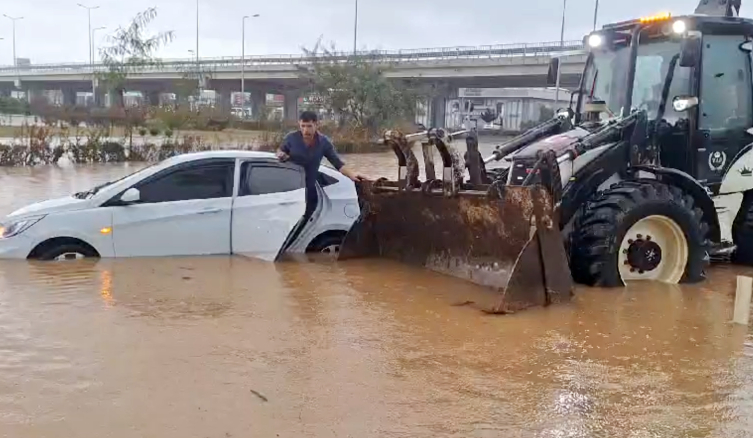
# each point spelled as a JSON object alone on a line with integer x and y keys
{"x": 513, "y": 106}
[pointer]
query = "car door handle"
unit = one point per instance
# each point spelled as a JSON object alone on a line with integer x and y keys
{"x": 287, "y": 203}
{"x": 210, "y": 211}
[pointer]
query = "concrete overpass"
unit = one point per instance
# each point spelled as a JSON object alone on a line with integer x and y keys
{"x": 446, "y": 69}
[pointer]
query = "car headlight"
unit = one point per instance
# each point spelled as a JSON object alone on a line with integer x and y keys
{"x": 15, "y": 227}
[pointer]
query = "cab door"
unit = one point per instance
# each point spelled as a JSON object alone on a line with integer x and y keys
{"x": 725, "y": 110}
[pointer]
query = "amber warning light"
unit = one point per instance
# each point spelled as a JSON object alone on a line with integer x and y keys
{"x": 658, "y": 17}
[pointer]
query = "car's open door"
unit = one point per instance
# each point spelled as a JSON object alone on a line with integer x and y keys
{"x": 305, "y": 228}
{"x": 268, "y": 208}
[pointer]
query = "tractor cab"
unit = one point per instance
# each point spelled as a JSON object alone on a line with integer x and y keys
{"x": 692, "y": 77}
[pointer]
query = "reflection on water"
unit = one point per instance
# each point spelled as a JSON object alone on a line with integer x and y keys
{"x": 234, "y": 347}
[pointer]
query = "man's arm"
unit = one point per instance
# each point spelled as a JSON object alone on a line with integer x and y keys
{"x": 334, "y": 159}
{"x": 283, "y": 153}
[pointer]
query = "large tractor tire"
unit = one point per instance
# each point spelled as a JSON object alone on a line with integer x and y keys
{"x": 639, "y": 230}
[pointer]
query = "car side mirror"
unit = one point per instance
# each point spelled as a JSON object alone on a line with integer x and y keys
{"x": 130, "y": 196}
{"x": 684, "y": 103}
{"x": 690, "y": 49}
{"x": 551, "y": 75}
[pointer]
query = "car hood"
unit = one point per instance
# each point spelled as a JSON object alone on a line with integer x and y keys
{"x": 68, "y": 203}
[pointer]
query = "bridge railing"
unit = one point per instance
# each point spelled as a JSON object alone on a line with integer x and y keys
{"x": 403, "y": 55}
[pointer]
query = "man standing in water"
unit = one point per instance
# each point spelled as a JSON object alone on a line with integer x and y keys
{"x": 306, "y": 147}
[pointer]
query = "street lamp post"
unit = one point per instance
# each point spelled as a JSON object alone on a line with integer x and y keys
{"x": 355, "y": 30}
{"x": 91, "y": 56}
{"x": 198, "y": 69}
{"x": 15, "y": 60}
{"x": 243, "y": 62}
{"x": 89, "y": 14}
{"x": 94, "y": 45}
{"x": 559, "y": 65}
{"x": 94, "y": 56}
{"x": 596, "y": 13}
{"x": 198, "y": 92}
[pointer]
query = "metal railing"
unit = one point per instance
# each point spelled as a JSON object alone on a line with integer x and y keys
{"x": 387, "y": 56}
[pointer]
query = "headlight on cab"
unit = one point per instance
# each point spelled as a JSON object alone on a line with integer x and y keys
{"x": 11, "y": 227}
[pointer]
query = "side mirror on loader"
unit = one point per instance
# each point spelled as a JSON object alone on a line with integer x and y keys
{"x": 551, "y": 76}
{"x": 690, "y": 49}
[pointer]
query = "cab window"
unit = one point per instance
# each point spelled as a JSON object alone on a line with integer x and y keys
{"x": 725, "y": 84}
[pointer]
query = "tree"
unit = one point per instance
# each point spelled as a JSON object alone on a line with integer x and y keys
{"x": 11, "y": 105}
{"x": 356, "y": 91}
{"x": 129, "y": 51}
{"x": 545, "y": 113}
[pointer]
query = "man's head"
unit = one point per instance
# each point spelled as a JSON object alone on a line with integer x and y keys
{"x": 307, "y": 122}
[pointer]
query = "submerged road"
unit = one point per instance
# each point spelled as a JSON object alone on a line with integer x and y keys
{"x": 231, "y": 347}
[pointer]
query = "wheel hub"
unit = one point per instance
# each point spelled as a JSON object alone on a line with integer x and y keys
{"x": 69, "y": 256}
{"x": 331, "y": 249}
{"x": 643, "y": 254}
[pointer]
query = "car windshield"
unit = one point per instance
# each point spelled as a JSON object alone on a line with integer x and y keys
{"x": 92, "y": 191}
{"x": 607, "y": 73}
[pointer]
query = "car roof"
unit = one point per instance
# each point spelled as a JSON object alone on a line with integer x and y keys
{"x": 226, "y": 153}
{"x": 231, "y": 153}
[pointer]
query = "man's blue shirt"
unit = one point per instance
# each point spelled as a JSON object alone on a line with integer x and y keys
{"x": 310, "y": 157}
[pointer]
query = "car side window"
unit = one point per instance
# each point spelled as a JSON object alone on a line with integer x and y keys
{"x": 206, "y": 181}
{"x": 265, "y": 179}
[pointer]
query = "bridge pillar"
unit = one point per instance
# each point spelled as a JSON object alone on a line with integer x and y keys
{"x": 258, "y": 100}
{"x": 151, "y": 97}
{"x": 36, "y": 96}
{"x": 69, "y": 96}
{"x": 100, "y": 97}
{"x": 438, "y": 112}
{"x": 291, "y": 104}
{"x": 225, "y": 99}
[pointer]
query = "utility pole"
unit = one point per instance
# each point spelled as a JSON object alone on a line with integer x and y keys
{"x": 559, "y": 64}
{"x": 355, "y": 31}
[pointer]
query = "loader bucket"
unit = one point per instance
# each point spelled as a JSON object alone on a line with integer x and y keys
{"x": 509, "y": 240}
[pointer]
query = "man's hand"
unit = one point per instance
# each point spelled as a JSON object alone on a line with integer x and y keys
{"x": 352, "y": 174}
{"x": 282, "y": 156}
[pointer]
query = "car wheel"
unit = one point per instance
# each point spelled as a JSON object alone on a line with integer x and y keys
{"x": 68, "y": 251}
{"x": 329, "y": 245}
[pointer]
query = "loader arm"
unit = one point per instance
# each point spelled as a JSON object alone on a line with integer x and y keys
{"x": 556, "y": 125}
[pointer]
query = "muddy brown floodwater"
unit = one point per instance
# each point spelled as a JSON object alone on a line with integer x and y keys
{"x": 232, "y": 347}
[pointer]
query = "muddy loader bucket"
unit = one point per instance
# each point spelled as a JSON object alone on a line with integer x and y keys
{"x": 503, "y": 237}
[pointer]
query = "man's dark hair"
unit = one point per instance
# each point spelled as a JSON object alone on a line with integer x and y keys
{"x": 308, "y": 116}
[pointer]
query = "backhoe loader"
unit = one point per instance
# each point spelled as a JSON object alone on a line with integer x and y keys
{"x": 647, "y": 176}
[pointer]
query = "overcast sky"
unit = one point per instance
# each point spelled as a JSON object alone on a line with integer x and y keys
{"x": 56, "y": 30}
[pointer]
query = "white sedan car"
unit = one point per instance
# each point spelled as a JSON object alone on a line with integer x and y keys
{"x": 205, "y": 203}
